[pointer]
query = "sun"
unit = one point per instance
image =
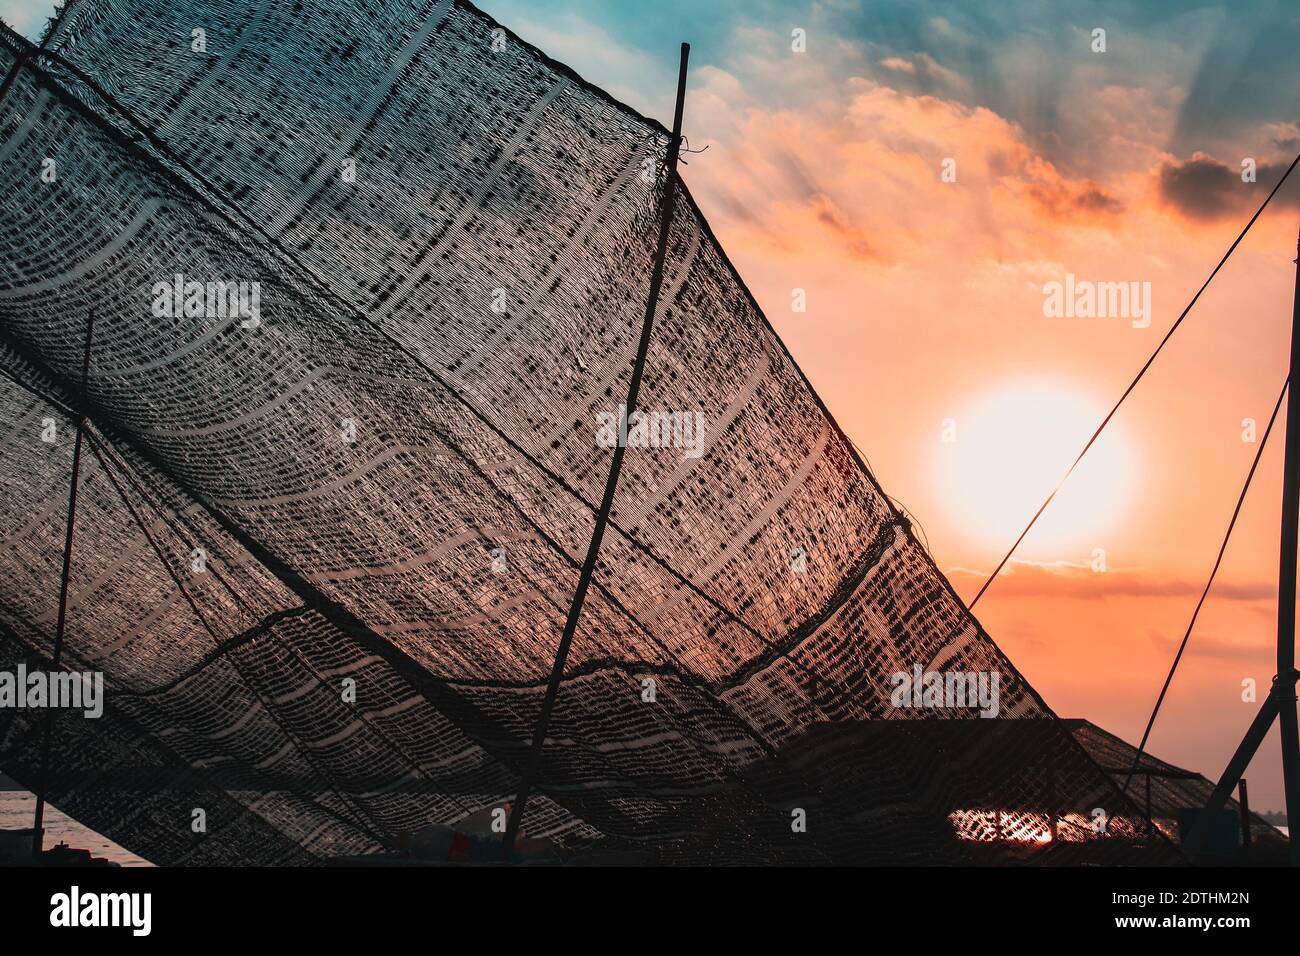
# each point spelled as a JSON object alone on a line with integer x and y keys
{"x": 1002, "y": 454}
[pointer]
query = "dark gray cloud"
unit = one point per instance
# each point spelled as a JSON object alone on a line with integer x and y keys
{"x": 1031, "y": 64}
{"x": 1206, "y": 188}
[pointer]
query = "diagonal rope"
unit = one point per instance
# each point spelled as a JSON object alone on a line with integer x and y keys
{"x": 1137, "y": 757}
{"x": 364, "y": 819}
{"x": 1133, "y": 384}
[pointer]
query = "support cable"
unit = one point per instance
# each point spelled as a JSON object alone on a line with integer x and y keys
{"x": 1133, "y": 384}
{"x": 1137, "y": 757}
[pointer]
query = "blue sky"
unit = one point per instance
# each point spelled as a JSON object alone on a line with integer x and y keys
{"x": 25, "y": 16}
{"x": 1233, "y": 64}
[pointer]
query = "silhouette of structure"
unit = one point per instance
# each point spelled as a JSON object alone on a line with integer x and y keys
{"x": 1166, "y": 793}
{"x": 327, "y": 538}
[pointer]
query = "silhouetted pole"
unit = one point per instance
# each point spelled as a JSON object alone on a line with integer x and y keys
{"x": 1232, "y": 773}
{"x": 57, "y": 659}
{"x": 611, "y": 484}
{"x": 1281, "y": 699}
{"x": 1285, "y": 682}
{"x": 1148, "y": 800}
{"x": 1243, "y": 801}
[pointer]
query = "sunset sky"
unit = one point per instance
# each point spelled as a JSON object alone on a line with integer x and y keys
{"x": 925, "y": 302}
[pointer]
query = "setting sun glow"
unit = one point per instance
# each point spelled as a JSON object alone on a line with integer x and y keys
{"x": 1002, "y": 454}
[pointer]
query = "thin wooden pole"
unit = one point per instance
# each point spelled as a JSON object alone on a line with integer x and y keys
{"x": 602, "y": 516}
{"x": 1149, "y": 800}
{"x": 1243, "y": 799}
{"x": 38, "y": 839}
{"x": 1285, "y": 682}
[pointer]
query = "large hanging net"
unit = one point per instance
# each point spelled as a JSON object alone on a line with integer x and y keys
{"x": 330, "y": 524}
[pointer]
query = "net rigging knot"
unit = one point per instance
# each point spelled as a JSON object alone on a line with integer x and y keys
{"x": 1279, "y": 683}
{"x": 684, "y": 148}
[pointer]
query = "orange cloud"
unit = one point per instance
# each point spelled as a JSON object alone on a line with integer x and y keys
{"x": 864, "y": 178}
{"x": 1061, "y": 579}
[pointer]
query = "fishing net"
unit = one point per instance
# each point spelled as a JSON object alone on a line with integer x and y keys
{"x": 1165, "y": 793}
{"x": 330, "y": 524}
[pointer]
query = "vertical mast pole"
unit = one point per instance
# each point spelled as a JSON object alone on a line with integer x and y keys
{"x": 48, "y": 732}
{"x": 1285, "y": 682}
{"x": 602, "y": 516}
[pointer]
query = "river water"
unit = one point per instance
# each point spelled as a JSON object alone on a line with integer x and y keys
{"x": 17, "y": 807}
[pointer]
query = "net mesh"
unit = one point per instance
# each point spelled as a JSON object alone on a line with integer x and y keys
{"x": 1163, "y": 791}
{"x": 326, "y": 546}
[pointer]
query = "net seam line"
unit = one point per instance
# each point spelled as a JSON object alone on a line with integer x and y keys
{"x": 680, "y": 730}
{"x": 141, "y": 735}
{"x": 371, "y": 827}
{"x": 364, "y": 715}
